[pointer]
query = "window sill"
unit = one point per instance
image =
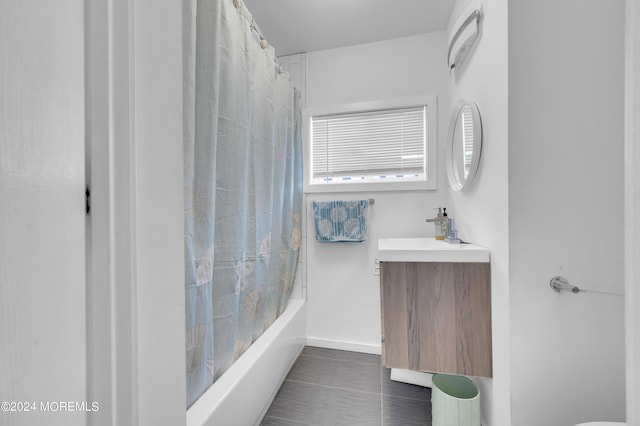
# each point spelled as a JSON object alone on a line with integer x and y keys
{"x": 370, "y": 187}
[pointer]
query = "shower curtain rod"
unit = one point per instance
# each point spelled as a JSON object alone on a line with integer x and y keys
{"x": 254, "y": 27}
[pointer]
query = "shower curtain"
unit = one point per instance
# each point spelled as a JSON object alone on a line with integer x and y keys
{"x": 243, "y": 187}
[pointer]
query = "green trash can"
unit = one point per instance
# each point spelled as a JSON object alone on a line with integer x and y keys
{"x": 455, "y": 401}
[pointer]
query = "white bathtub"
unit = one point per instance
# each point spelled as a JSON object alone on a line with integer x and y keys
{"x": 242, "y": 395}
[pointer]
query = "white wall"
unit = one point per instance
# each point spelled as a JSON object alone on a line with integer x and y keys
{"x": 343, "y": 292}
{"x": 566, "y": 100}
{"x": 482, "y": 211}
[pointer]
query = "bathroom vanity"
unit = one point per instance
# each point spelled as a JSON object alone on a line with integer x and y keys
{"x": 436, "y": 306}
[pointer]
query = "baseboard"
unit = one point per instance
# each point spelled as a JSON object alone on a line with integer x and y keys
{"x": 344, "y": 346}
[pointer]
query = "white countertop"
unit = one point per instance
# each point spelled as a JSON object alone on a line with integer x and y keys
{"x": 429, "y": 250}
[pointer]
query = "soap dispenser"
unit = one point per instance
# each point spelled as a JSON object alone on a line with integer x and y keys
{"x": 445, "y": 223}
{"x": 440, "y": 222}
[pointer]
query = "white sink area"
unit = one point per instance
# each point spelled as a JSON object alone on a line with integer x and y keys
{"x": 429, "y": 250}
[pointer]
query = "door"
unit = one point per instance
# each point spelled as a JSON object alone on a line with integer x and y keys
{"x": 42, "y": 213}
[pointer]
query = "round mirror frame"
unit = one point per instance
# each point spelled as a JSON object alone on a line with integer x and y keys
{"x": 456, "y": 181}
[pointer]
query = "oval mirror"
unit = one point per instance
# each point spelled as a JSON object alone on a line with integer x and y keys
{"x": 464, "y": 145}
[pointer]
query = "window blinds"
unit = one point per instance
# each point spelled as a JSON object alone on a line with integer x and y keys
{"x": 369, "y": 145}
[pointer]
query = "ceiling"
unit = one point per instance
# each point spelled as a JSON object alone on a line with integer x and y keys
{"x": 295, "y": 26}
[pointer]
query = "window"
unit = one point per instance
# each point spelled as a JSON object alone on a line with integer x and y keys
{"x": 386, "y": 145}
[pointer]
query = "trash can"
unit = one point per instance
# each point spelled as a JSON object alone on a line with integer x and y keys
{"x": 455, "y": 401}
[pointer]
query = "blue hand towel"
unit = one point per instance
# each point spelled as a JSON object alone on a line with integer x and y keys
{"x": 338, "y": 221}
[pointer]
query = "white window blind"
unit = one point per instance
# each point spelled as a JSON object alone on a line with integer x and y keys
{"x": 369, "y": 146}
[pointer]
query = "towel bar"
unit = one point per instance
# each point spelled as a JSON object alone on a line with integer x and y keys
{"x": 559, "y": 284}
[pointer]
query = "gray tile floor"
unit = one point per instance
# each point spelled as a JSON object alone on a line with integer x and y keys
{"x": 332, "y": 387}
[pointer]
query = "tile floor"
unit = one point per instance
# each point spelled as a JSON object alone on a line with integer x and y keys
{"x": 332, "y": 387}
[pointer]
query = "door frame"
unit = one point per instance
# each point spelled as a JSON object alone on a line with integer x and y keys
{"x": 112, "y": 378}
{"x": 632, "y": 210}
{"x": 135, "y": 244}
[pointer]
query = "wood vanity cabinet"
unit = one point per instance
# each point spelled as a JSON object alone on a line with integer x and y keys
{"x": 436, "y": 317}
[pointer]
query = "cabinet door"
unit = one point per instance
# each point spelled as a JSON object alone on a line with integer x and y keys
{"x": 436, "y": 317}
{"x": 42, "y": 210}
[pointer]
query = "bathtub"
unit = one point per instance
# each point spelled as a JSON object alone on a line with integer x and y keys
{"x": 242, "y": 395}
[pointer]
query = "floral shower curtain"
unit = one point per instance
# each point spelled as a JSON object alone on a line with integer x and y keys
{"x": 243, "y": 187}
